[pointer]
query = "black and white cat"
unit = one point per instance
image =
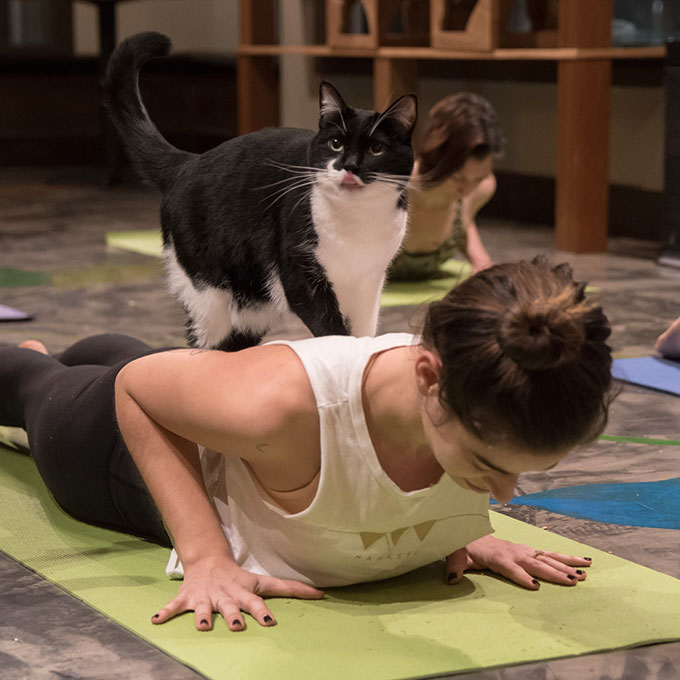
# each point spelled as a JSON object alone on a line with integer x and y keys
{"x": 276, "y": 220}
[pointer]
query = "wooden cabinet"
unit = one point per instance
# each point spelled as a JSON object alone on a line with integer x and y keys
{"x": 574, "y": 33}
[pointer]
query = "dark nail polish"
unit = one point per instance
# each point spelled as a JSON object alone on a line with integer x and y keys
{"x": 590, "y": 559}
{"x": 571, "y": 577}
{"x": 580, "y": 572}
{"x": 267, "y": 618}
{"x": 452, "y": 576}
{"x": 535, "y": 582}
{"x": 236, "y": 622}
{"x": 156, "y": 616}
{"x": 204, "y": 622}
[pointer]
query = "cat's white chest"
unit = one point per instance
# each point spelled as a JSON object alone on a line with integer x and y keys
{"x": 360, "y": 231}
{"x": 365, "y": 225}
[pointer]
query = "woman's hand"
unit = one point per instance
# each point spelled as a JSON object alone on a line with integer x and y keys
{"x": 519, "y": 563}
{"x": 216, "y": 584}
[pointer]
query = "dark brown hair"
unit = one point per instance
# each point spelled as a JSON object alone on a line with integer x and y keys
{"x": 458, "y": 127}
{"x": 524, "y": 357}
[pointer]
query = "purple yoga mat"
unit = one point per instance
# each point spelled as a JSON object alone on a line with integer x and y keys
{"x": 11, "y": 314}
{"x": 654, "y": 372}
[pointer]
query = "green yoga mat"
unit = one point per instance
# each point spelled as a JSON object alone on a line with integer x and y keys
{"x": 144, "y": 242}
{"x": 395, "y": 294}
{"x": 407, "y": 627}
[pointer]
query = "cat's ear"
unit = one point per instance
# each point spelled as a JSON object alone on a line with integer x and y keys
{"x": 403, "y": 111}
{"x": 330, "y": 101}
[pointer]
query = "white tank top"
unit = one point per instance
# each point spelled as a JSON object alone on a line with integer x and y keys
{"x": 360, "y": 526}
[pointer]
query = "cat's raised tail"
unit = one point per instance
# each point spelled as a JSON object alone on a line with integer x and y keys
{"x": 152, "y": 155}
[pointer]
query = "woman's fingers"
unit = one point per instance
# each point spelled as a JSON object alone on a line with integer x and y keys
{"x": 570, "y": 560}
{"x": 203, "y": 617}
{"x": 524, "y": 565}
{"x": 231, "y": 613}
{"x": 548, "y": 566}
{"x": 517, "y": 573}
{"x": 268, "y": 586}
{"x": 456, "y": 563}
{"x": 241, "y": 595}
{"x": 552, "y": 567}
{"x": 562, "y": 570}
{"x": 203, "y": 612}
{"x": 257, "y": 608}
{"x": 555, "y": 573}
{"x": 172, "y": 609}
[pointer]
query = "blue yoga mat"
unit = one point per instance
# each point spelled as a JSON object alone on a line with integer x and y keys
{"x": 637, "y": 504}
{"x": 652, "y": 372}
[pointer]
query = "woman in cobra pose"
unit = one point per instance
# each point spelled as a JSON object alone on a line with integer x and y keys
{"x": 292, "y": 466}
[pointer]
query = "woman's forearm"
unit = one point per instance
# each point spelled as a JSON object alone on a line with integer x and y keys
{"x": 476, "y": 251}
{"x": 170, "y": 467}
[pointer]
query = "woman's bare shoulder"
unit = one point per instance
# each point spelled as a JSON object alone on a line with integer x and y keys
{"x": 233, "y": 396}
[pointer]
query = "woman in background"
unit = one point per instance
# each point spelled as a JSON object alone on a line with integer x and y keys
{"x": 452, "y": 180}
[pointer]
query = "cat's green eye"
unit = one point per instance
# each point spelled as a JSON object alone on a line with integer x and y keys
{"x": 336, "y": 144}
{"x": 377, "y": 149}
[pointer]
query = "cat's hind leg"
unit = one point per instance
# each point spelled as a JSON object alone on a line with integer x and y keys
{"x": 207, "y": 309}
{"x": 235, "y": 340}
{"x": 216, "y": 321}
{"x": 238, "y": 340}
{"x": 208, "y": 317}
{"x": 215, "y": 318}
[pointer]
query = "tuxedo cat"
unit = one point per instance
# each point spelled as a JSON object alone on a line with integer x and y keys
{"x": 276, "y": 220}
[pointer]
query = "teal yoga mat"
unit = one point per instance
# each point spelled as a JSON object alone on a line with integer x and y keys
{"x": 407, "y": 627}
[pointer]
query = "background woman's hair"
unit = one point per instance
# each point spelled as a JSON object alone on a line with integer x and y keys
{"x": 458, "y": 127}
{"x": 524, "y": 356}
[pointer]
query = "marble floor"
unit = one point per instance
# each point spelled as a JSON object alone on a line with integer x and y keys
{"x": 52, "y": 227}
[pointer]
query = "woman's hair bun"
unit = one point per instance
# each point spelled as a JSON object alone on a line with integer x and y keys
{"x": 541, "y": 334}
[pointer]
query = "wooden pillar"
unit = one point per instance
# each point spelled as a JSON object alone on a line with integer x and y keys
{"x": 258, "y": 93}
{"x": 257, "y": 76}
{"x": 583, "y": 112}
{"x": 113, "y": 152}
{"x": 391, "y": 79}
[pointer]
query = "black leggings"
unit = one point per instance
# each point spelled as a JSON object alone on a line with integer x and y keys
{"x": 66, "y": 405}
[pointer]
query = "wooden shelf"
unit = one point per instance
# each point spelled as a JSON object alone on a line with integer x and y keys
{"x": 305, "y": 50}
{"x": 584, "y": 64}
{"x": 506, "y": 54}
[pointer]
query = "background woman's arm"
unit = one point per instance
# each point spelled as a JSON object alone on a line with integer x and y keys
{"x": 477, "y": 254}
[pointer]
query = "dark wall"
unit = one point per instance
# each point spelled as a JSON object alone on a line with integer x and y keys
{"x": 633, "y": 212}
{"x": 51, "y": 111}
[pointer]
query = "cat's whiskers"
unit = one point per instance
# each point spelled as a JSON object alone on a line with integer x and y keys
{"x": 285, "y": 180}
{"x": 295, "y": 184}
{"x": 304, "y": 195}
{"x": 278, "y": 195}
{"x": 303, "y": 175}
{"x": 292, "y": 168}
{"x": 399, "y": 181}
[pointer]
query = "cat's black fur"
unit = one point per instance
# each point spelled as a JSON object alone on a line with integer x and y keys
{"x": 275, "y": 219}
